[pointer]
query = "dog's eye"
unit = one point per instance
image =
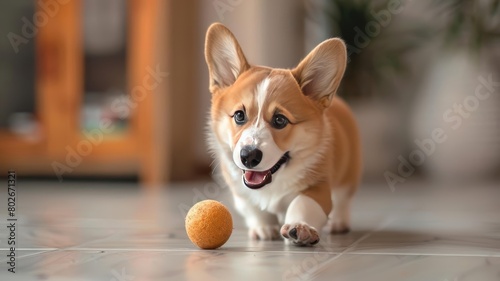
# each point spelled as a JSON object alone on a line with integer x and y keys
{"x": 279, "y": 121}
{"x": 239, "y": 117}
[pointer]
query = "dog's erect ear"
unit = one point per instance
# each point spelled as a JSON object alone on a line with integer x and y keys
{"x": 224, "y": 57}
{"x": 319, "y": 73}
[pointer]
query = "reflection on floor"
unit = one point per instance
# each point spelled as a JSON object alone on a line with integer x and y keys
{"x": 103, "y": 231}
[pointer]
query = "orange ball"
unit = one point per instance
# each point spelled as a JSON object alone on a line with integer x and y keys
{"x": 209, "y": 224}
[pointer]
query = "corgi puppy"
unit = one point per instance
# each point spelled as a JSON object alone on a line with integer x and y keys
{"x": 288, "y": 147}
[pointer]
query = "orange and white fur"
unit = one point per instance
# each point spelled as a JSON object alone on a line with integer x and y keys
{"x": 288, "y": 147}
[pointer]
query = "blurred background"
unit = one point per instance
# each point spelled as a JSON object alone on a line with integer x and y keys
{"x": 118, "y": 89}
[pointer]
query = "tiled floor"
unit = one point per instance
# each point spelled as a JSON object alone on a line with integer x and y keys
{"x": 115, "y": 232}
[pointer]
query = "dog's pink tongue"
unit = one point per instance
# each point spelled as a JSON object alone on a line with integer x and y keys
{"x": 255, "y": 179}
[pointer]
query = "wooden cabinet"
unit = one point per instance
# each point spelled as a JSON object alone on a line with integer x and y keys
{"x": 61, "y": 147}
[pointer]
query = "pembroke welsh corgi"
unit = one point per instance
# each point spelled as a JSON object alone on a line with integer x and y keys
{"x": 288, "y": 147}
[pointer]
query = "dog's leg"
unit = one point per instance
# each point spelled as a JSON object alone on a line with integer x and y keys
{"x": 261, "y": 225}
{"x": 304, "y": 219}
{"x": 339, "y": 218}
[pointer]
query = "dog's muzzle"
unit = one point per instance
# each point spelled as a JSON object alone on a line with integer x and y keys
{"x": 258, "y": 179}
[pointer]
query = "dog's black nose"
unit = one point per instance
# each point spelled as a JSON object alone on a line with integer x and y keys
{"x": 250, "y": 156}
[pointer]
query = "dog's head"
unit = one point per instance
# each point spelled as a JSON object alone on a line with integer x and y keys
{"x": 267, "y": 117}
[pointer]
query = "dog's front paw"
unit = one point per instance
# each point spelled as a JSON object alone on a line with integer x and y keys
{"x": 264, "y": 232}
{"x": 300, "y": 234}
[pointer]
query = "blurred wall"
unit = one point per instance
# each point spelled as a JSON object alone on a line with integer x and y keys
{"x": 387, "y": 99}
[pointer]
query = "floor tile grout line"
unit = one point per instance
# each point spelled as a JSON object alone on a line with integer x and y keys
{"x": 44, "y": 250}
{"x": 30, "y": 249}
{"x": 322, "y": 266}
{"x": 425, "y": 254}
{"x": 335, "y": 255}
{"x": 35, "y": 254}
{"x": 227, "y": 250}
{"x": 57, "y": 249}
{"x": 32, "y": 254}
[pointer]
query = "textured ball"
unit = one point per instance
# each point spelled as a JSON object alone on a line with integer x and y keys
{"x": 209, "y": 224}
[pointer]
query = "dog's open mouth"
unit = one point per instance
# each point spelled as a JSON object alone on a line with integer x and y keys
{"x": 257, "y": 179}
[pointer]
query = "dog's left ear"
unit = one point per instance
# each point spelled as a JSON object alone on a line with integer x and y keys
{"x": 319, "y": 73}
{"x": 224, "y": 57}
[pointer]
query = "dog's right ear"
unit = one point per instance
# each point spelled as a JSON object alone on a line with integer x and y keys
{"x": 224, "y": 57}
